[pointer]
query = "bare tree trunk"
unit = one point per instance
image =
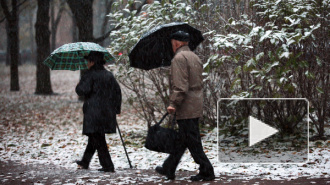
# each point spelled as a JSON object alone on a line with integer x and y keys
{"x": 8, "y": 45}
{"x": 43, "y": 48}
{"x": 52, "y": 23}
{"x": 13, "y": 18}
{"x": 74, "y": 30}
{"x": 55, "y": 21}
{"x": 83, "y": 15}
{"x": 14, "y": 48}
{"x": 32, "y": 46}
{"x": 108, "y": 7}
{"x": 99, "y": 9}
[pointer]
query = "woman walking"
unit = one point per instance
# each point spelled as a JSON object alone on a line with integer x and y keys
{"x": 102, "y": 102}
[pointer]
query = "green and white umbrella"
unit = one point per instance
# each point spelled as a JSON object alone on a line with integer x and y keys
{"x": 71, "y": 56}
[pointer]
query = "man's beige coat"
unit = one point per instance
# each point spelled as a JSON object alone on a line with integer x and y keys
{"x": 187, "y": 84}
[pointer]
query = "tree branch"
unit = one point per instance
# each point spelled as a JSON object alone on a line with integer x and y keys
{"x": 100, "y": 39}
{"x": 5, "y": 8}
{"x": 59, "y": 14}
{"x": 21, "y": 3}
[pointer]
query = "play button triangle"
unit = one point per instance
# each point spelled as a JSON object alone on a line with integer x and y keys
{"x": 259, "y": 131}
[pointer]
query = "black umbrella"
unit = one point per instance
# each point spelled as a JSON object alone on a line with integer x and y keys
{"x": 154, "y": 48}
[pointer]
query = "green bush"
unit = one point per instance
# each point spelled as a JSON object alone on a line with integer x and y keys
{"x": 276, "y": 49}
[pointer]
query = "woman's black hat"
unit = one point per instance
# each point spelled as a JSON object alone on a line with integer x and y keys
{"x": 95, "y": 56}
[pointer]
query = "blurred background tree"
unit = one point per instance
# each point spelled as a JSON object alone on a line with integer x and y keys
{"x": 11, "y": 11}
{"x": 43, "y": 48}
{"x": 252, "y": 48}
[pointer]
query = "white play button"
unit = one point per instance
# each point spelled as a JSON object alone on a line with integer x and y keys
{"x": 255, "y": 137}
{"x": 259, "y": 131}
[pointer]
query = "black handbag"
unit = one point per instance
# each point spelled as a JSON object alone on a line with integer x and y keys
{"x": 160, "y": 139}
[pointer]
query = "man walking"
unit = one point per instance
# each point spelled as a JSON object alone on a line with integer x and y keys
{"x": 186, "y": 101}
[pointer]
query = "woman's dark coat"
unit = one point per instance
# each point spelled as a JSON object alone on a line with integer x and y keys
{"x": 102, "y": 100}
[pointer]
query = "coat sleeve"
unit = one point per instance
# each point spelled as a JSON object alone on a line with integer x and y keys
{"x": 85, "y": 85}
{"x": 117, "y": 97}
{"x": 180, "y": 81}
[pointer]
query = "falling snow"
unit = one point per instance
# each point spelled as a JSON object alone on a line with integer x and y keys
{"x": 47, "y": 130}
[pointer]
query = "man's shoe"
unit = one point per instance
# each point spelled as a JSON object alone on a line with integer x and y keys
{"x": 202, "y": 177}
{"x": 111, "y": 169}
{"x": 161, "y": 171}
{"x": 82, "y": 164}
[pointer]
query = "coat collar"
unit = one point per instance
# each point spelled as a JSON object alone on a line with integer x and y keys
{"x": 97, "y": 67}
{"x": 182, "y": 48}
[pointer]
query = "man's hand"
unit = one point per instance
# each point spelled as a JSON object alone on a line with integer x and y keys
{"x": 170, "y": 109}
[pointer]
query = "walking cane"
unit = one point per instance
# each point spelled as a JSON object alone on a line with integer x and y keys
{"x": 130, "y": 165}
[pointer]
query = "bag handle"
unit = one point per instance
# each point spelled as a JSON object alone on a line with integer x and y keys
{"x": 161, "y": 120}
{"x": 173, "y": 121}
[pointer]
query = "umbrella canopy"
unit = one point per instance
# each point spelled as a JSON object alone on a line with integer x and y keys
{"x": 154, "y": 48}
{"x": 71, "y": 56}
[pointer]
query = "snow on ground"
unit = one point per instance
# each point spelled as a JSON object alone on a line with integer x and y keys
{"x": 47, "y": 129}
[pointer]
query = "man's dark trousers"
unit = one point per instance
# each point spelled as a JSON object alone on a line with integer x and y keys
{"x": 97, "y": 142}
{"x": 189, "y": 132}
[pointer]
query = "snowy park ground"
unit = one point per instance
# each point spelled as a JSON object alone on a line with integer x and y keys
{"x": 38, "y": 129}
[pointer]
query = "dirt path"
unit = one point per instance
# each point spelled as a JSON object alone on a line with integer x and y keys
{"x": 13, "y": 173}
